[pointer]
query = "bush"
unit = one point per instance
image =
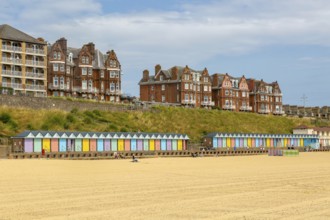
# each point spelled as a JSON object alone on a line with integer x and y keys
{"x": 74, "y": 111}
{"x": 5, "y": 117}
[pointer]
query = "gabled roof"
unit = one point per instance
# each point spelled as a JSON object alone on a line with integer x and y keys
{"x": 9, "y": 33}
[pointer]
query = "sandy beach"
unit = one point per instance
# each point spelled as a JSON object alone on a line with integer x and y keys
{"x": 241, "y": 187}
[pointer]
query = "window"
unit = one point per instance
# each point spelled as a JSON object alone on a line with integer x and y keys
{"x": 84, "y": 84}
{"x": 163, "y": 98}
{"x": 83, "y": 60}
{"x": 227, "y": 102}
{"x": 70, "y": 57}
{"x": 191, "y": 86}
{"x": 117, "y": 74}
{"x": 68, "y": 70}
{"x": 186, "y": 86}
{"x": 112, "y": 87}
{"x": 262, "y": 98}
{"x": 177, "y": 86}
{"x": 62, "y": 67}
{"x": 236, "y": 94}
{"x": 68, "y": 83}
{"x": 102, "y": 73}
{"x": 186, "y": 77}
{"x": 90, "y": 71}
{"x": 62, "y": 82}
{"x": 102, "y": 86}
{"x": 58, "y": 55}
{"x": 113, "y": 63}
{"x": 243, "y": 94}
{"x": 210, "y": 89}
{"x": 84, "y": 71}
{"x": 55, "y": 67}
{"x": 161, "y": 78}
{"x": 55, "y": 55}
{"x": 205, "y": 88}
{"x": 206, "y": 79}
{"x": 117, "y": 86}
{"x": 112, "y": 74}
{"x": 194, "y": 87}
{"x": 206, "y": 98}
{"x": 87, "y": 60}
{"x": 198, "y": 88}
{"x": 226, "y": 92}
{"x": 276, "y": 99}
{"x": 163, "y": 87}
{"x": 90, "y": 85}
{"x": 152, "y": 88}
{"x": 186, "y": 97}
{"x": 55, "y": 81}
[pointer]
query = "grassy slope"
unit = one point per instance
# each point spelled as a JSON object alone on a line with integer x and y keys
{"x": 194, "y": 122}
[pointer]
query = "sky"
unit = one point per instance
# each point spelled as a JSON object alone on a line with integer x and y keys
{"x": 287, "y": 41}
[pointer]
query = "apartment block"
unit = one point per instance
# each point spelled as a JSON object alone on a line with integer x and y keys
{"x": 265, "y": 98}
{"x": 230, "y": 93}
{"x": 83, "y": 72}
{"x": 23, "y": 62}
{"x": 177, "y": 86}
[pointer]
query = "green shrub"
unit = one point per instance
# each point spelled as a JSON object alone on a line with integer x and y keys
{"x": 5, "y": 117}
{"x": 74, "y": 111}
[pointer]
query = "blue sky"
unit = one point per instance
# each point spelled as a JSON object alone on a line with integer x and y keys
{"x": 275, "y": 40}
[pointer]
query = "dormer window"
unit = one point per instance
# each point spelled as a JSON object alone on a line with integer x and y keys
{"x": 206, "y": 79}
{"x": 87, "y": 60}
{"x": 83, "y": 60}
{"x": 55, "y": 55}
{"x": 186, "y": 77}
{"x": 161, "y": 77}
{"x": 58, "y": 55}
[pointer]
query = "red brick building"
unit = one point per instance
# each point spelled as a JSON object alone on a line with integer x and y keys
{"x": 265, "y": 98}
{"x": 230, "y": 93}
{"x": 177, "y": 86}
{"x": 84, "y": 72}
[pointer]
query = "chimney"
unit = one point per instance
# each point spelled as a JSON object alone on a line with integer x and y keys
{"x": 63, "y": 43}
{"x": 157, "y": 68}
{"x": 174, "y": 72}
{"x": 145, "y": 75}
{"x": 215, "y": 81}
{"x": 91, "y": 48}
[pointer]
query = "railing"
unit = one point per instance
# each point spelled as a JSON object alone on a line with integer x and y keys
{"x": 11, "y": 48}
{"x": 11, "y": 60}
{"x": 229, "y": 107}
{"x": 207, "y": 103}
{"x": 264, "y": 111}
{"x": 65, "y": 87}
{"x": 35, "y": 63}
{"x": 245, "y": 108}
{"x": 34, "y": 87}
{"x": 278, "y": 112}
{"x": 88, "y": 90}
{"x": 188, "y": 102}
{"x": 114, "y": 92}
{"x": 13, "y": 85}
{"x": 11, "y": 73}
{"x": 35, "y": 75}
{"x": 35, "y": 51}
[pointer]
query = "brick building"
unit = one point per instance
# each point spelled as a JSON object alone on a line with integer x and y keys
{"x": 230, "y": 93}
{"x": 23, "y": 62}
{"x": 177, "y": 86}
{"x": 265, "y": 98}
{"x": 83, "y": 72}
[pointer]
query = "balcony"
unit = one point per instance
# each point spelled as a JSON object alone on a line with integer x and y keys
{"x": 278, "y": 112}
{"x": 229, "y": 107}
{"x": 35, "y": 75}
{"x": 65, "y": 87}
{"x": 11, "y": 60}
{"x": 11, "y": 73}
{"x": 35, "y": 87}
{"x": 35, "y": 63}
{"x": 85, "y": 90}
{"x": 113, "y": 92}
{"x": 245, "y": 108}
{"x": 11, "y": 48}
{"x": 264, "y": 111}
{"x": 35, "y": 51}
{"x": 12, "y": 85}
{"x": 188, "y": 102}
{"x": 207, "y": 103}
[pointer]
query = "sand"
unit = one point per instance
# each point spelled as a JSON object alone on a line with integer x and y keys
{"x": 243, "y": 187}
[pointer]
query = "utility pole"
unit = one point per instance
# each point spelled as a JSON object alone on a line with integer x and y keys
{"x": 304, "y": 99}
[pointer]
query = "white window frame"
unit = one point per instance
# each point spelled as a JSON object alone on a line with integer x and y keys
{"x": 205, "y": 88}
{"x": 112, "y": 87}
{"x": 84, "y": 84}
{"x": 186, "y": 86}
{"x": 102, "y": 73}
{"x": 90, "y": 71}
{"x": 55, "y": 81}
{"x": 55, "y": 67}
